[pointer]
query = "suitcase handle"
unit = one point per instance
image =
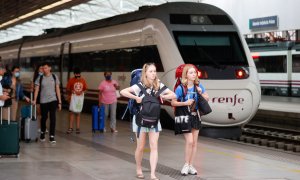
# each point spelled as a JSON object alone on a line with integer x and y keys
{"x": 8, "y": 114}
{"x": 31, "y": 107}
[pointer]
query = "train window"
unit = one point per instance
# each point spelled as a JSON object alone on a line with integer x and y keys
{"x": 9, "y": 63}
{"x": 270, "y": 64}
{"x": 211, "y": 48}
{"x": 117, "y": 60}
{"x": 296, "y": 63}
{"x": 29, "y": 62}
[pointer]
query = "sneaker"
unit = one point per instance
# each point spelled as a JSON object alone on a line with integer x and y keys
{"x": 185, "y": 169}
{"x": 192, "y": 170}
{"x": 113, "y": 130}
{"x": 42, "y": 137}
{"x": 69, "y": 131}
{"x": 52, "y": 140}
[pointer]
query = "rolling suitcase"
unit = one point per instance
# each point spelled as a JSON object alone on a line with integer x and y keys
{"x": 29, "y": 124}
{"x": 98, "y": 118}
{"x": 9, "y": 136}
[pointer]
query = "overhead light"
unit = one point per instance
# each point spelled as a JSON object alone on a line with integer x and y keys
{"x": 34, "y": 12}
{"x": 55, "y": 4}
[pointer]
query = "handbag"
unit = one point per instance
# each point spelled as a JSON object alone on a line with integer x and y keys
{"x": 76, "y": 103}
{"x": 203, "y": 105}
{"x": 182, "y": 120}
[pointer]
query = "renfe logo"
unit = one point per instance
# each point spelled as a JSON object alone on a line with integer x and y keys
{"x": 230, "y": 100}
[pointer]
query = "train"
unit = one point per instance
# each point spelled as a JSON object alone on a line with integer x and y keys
{"x": 169, "y": 35}
{"x": 278, "y": 66}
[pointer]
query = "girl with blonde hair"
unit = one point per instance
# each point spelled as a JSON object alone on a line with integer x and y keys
{"x": 151, "y": 83}
{"x": 187, "y": 96}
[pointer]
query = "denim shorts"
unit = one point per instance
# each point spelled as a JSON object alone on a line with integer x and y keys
{"x": 145, "y": 129}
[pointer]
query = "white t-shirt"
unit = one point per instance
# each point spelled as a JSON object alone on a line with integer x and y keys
{"x": 137, "y": 90}
{"x": 1, "y": 93}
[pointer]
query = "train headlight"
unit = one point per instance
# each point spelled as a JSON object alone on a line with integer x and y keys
{"x": 241, "y": 73}
{"x": 202, "y": 74}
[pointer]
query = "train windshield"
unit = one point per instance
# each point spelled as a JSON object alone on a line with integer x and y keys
{"x": 211, "y": 48}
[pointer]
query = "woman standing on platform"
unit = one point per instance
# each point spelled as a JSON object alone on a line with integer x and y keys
{"x": 16, "y": 89}
{"x": 150, "y": 81}
{"x": 108, "y": 98}
{"x": 186, "y": 96}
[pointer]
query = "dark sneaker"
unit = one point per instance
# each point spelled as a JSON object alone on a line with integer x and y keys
{"x": 52, "y": 140}
{"x": 42, "y": 137}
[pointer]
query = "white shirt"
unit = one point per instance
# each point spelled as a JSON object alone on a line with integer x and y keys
{"x": 1, "y": 93}
{"x": 137, "y": 90}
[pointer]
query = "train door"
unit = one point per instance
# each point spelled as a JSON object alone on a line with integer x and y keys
{"x": 273, "y": 68}
{"x": 295, "y": 76}
{"x": 65, "y": 67}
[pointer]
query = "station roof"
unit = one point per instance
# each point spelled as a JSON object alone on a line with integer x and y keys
{"x": 32, "y": 17}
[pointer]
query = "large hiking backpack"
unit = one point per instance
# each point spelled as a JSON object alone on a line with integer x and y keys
{"x": 135, "y": 79}
{"x": 178, "y": 74}
{"x": 149, "y": 113}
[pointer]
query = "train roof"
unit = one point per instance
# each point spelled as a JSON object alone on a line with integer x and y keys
{"x": 178, "y": 12}
{"x": 274, "y": 46}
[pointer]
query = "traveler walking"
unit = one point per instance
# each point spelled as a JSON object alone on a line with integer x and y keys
{"x": 50, "y": 100}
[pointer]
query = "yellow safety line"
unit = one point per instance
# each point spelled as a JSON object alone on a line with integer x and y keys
{"x": 242, "y": 157}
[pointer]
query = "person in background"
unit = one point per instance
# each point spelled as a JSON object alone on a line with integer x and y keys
{"x": 17, "y": 93}
{"x": 189, "y": 82}
{"x": 50, "y": 100}
{"x": 75, "y": 86}
{"x": 3, "y": 95}
{"x": 108, "y": 98}
{"x": 151, "y": 82}
{"x": 39, "y": 71}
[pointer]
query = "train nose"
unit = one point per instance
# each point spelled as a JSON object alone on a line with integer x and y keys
{"x": 229, "y": 107}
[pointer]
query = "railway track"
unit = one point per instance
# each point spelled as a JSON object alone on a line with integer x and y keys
{"x": 273, "y": 137}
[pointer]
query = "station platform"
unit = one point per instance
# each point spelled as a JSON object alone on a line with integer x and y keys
{"x": 110, "y": 156}
{"x": 280, "y": 104}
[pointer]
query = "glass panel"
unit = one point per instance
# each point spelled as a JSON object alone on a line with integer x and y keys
{"x": 271, "y": 64}
{"x": 117, "y": 60}
{"x": 296, "y": 63}
{"x": 209, "y": 48}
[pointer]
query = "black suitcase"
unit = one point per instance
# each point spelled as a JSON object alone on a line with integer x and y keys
{"x": 9, "y": 136}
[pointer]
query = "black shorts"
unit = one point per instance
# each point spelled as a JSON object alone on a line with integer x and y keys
{"x": 195, "y": 122}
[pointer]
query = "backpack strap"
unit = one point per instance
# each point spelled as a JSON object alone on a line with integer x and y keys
{"x": 142, "y": 89}
{"x": 138, "y": 131}
{"x": 54, "y": 77}
{"x": 40, "y": 87}
{"x": 183, "y": 94}
{"x": 160, "y": 91}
